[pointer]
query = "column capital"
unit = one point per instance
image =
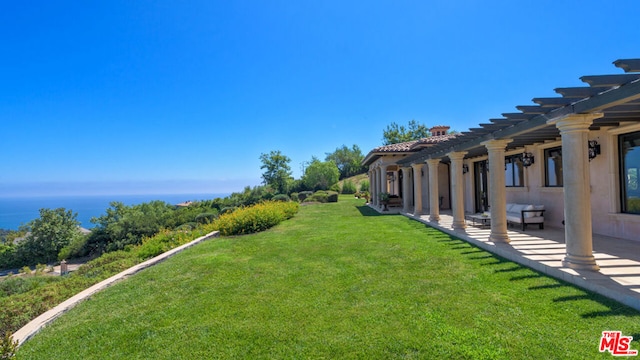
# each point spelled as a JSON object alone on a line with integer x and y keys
{"x": 575, "y": 122}
{"x": 496, "y": 144}
{"x": 457, "y": 155}
{"x": 433, "y": 162}
{"x": 417, "y": 166}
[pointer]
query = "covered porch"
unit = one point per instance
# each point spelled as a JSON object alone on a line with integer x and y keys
{"x": 544, "y": 251}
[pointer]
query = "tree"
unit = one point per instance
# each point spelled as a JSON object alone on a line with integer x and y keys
{"x": 277, "y": 171}
{"x": 321, "y": 175}
{"x": 395, "y": 133}
{"x": 347, "y": 160}
{"x": 124, "y": 225}
{"x": 47, "y": 235}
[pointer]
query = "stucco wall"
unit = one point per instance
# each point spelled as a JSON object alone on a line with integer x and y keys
{"x": 444, "y": 185}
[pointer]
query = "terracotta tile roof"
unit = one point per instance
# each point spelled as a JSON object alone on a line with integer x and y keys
{"x": 408, "y": 147}
{"x": 411, "y": 145}
{"x": 399, "y": 147}
{"x": 433, "y": 140}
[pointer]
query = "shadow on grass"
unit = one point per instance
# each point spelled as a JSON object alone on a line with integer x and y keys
{"x": 550, "y": 286}
{"x": 525, "y": 277}
{"x": 461, "y": 247}
{"x": 488, "y": 256}
{"x": 626, "y": 311}
{"x": 475, "y": 251}
{"x": 513, "y": 268}
{"x": 614, "y": 308}
{"x": 573, "y": 298}
{"x": 367, "y": 211}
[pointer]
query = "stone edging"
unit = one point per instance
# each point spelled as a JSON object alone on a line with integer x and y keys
{"x": 35, "y": 325}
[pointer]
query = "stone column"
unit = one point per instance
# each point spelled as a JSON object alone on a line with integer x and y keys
{"x": 372, "y": 187}
{"x": 457, "y": 189}
{"x": 405, "y": 189}
{"x": 434, "y": 196}
{"x": 417, "y": 189}
{"x": 574, "y": 130}
{"x": 377, "y": 178}
{"x": 383, "y": 182}
{"x": 497, "y": 192}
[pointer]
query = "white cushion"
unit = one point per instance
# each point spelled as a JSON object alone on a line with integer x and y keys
{"x": 517, "y": 208}
{"x": 513, "y": 218}
{"x": 529, "y": 214}
{"x": 538, "y": 207}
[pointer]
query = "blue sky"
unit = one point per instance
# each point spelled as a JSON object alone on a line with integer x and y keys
{"x": 183, "y": 96}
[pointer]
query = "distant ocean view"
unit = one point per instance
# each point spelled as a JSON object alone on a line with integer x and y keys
{"x": 15, "y": 211}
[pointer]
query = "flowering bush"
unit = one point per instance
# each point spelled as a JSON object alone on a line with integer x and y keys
{"x": 255, "y": 218}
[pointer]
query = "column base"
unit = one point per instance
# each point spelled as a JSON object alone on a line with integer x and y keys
{"x": 457, "y": 225}
{"x": 499, "y": 238}
{"x": 434, "y": 218}
{"x": 580, "y": 262}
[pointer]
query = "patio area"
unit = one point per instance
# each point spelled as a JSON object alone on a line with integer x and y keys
{"x": 543, "y": 250}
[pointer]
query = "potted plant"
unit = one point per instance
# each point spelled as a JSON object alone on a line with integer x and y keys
{"x": 384, "y": 199}
{"x": 365, "y": 194}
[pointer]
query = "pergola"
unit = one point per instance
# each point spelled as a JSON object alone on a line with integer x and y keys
{"x": 617, "y": 97}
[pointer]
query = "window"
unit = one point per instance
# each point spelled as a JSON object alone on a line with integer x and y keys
{"x": 630, "y": 169}
{"x": 514, "y": 171}
{"x": 553, "y": 167}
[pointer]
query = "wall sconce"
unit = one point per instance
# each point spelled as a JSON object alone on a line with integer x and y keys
{"x": 594, "y": 149}
{"x": 527, "y": 159}
{"x": 465, "y": 168}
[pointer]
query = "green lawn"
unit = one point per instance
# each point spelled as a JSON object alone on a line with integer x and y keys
{"x": 337, "y": 282}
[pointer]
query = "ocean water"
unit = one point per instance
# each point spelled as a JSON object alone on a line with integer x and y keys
{"x": 15, "y": 211}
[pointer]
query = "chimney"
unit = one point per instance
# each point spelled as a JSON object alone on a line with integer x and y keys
{"x": 439, "y": 130}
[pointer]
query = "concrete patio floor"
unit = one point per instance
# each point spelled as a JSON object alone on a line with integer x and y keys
{"x": 544, "y": 249}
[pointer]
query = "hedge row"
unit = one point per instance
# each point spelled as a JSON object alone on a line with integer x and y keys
{"x": 255, "y": 218}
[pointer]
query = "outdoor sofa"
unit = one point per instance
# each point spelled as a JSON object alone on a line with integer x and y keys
{"x": 525, "y": 214}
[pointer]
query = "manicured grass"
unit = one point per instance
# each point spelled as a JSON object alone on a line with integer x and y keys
{"x": 337, "y": 282}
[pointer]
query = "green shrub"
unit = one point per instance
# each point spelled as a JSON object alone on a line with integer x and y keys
{"x": 187, "y": 227}
{"x": 318, "y": 196}
{"x": 255, "y": 218}
{"x": 206, "y": 218}
{"x": 294, "y": 196}
{"x": 22, "y": 284}
{"x": 302, "y": 195}
{"x": 364, "y": 186}
{"x": 8, "y": 257}
{"x": 227, "y": 209}
{"x": 108, "y": 264}
{"x": 332, "y": 196}
{"x": 281, "y": 197}
{"x": 335, "y": 187}
{"x": 75, "y": 249}
{"x": 165, "y": 241}
{"x": 8, "y": 346}
{"x": 348, "y": 187}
